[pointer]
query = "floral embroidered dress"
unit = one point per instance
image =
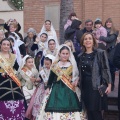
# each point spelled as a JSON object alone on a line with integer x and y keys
{"x": 28, "y": 87}
{"x": 62, "y": 103}
{"x": 40, "y": 94}
{"x": 39, "y": 48}
{"x": 12, "y": 104}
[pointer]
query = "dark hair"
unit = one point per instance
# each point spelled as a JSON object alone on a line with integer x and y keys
{"x": 95, "y": 45}
{"x": 48, "y": 59}
{"x": 51, "y": 40}
{"x": 44, "y": 34}
{"x": 47, "y": 21}
{"x": 75, "y": 24}
{"x": 5, "y": 39}
{"x": 11, "y": 39}
{"x": 28, "y": 58}
{"x": 72, "y": 14}
{"x": 64, "y": 48}
{"x": 97, "y": 22}
{"x": 88, "y": 20}
{"x": 13, "y": 35}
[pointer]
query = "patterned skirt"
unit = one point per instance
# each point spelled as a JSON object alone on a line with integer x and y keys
{"x": 12, "y": 110}
{"x": 35, "y": 102}
{"x": 42, "y": 115}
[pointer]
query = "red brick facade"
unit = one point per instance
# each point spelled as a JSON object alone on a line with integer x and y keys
{"x": 34, "y": 11}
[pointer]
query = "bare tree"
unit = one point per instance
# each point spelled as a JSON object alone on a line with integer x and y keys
{"x": 66, "y": 7}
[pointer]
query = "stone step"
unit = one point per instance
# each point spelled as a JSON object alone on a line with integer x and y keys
{"x": 112, "y": 101}
{"x": 112, "y": 108}
{"x": 112, "y": 113}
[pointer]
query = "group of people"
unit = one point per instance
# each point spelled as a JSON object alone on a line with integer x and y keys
{"x": 42, "y": 80}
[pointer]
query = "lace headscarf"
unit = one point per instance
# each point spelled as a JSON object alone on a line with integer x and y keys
{"x": 24, "y": 61}
{"x": 75, "y": 73}
{"x": 17, "y": 43}
{"x": 54, "y": 36}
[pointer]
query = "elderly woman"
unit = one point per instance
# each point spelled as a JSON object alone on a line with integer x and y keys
{"x": 29, "y": 40}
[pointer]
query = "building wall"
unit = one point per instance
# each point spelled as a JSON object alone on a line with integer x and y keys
{"x": 6, "y": 12}
{"x": 103, "y": 9}
{"x": 4, "y": 6}
{"x": 34, "y": 11}
{"x": 18, "y": 15}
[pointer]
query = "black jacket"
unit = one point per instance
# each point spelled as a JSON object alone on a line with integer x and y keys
{"x": 116, "y": 62}
{"x": 86, "y": 31}
{"x": 100, "y": 69}
{"x": 111, "y": 43}
{"x": 72, "y": 30}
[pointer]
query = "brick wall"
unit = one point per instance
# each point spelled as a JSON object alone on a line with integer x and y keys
{"x": 34, "y": 11}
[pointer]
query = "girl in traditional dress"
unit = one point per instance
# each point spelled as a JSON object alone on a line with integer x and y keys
{"x": 34, "y": 107}
{"x": 12, "y": 102}
{"x": 49, "y": 29}
{"x": 29, "y": 77}
{"x": 52, "y": 48}
{"x": 18, "y": 43}
{"x": 62, "y": 103}
{"x": 39, "y": 46}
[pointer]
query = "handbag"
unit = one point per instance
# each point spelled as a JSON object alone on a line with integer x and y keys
{"x": 102, "y": 88}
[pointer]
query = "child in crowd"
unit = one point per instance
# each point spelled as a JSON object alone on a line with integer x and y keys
{"x": 100, "y": 31}
{"x": 29, "y": 77}
{"x": 62, "y": 102}
{"x": 39, "y": 94}
{"x": 51, "y": 48}
{"x": 39, "y": 45}
{"x": 70, "y": 44}
{"x": 49, "y": 29}
{"x": 71, "y": 17}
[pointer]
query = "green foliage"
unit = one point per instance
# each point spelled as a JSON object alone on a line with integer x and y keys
{"x": 18, "y": 4}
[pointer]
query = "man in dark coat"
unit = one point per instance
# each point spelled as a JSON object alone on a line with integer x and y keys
{"x": 88, "y": 26}
{"x": 116, "y": 61}
{"x": 74, "y": 33}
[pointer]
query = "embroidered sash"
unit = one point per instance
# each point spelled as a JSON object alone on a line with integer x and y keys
{"x": 43, "y": 75}
{"x": 63, "y": 76}
{"x": 9, "y": 70}
{"x": 27, "y": 72}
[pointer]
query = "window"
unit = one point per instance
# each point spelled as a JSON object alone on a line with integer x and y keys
{"x": 52, "y": 12}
